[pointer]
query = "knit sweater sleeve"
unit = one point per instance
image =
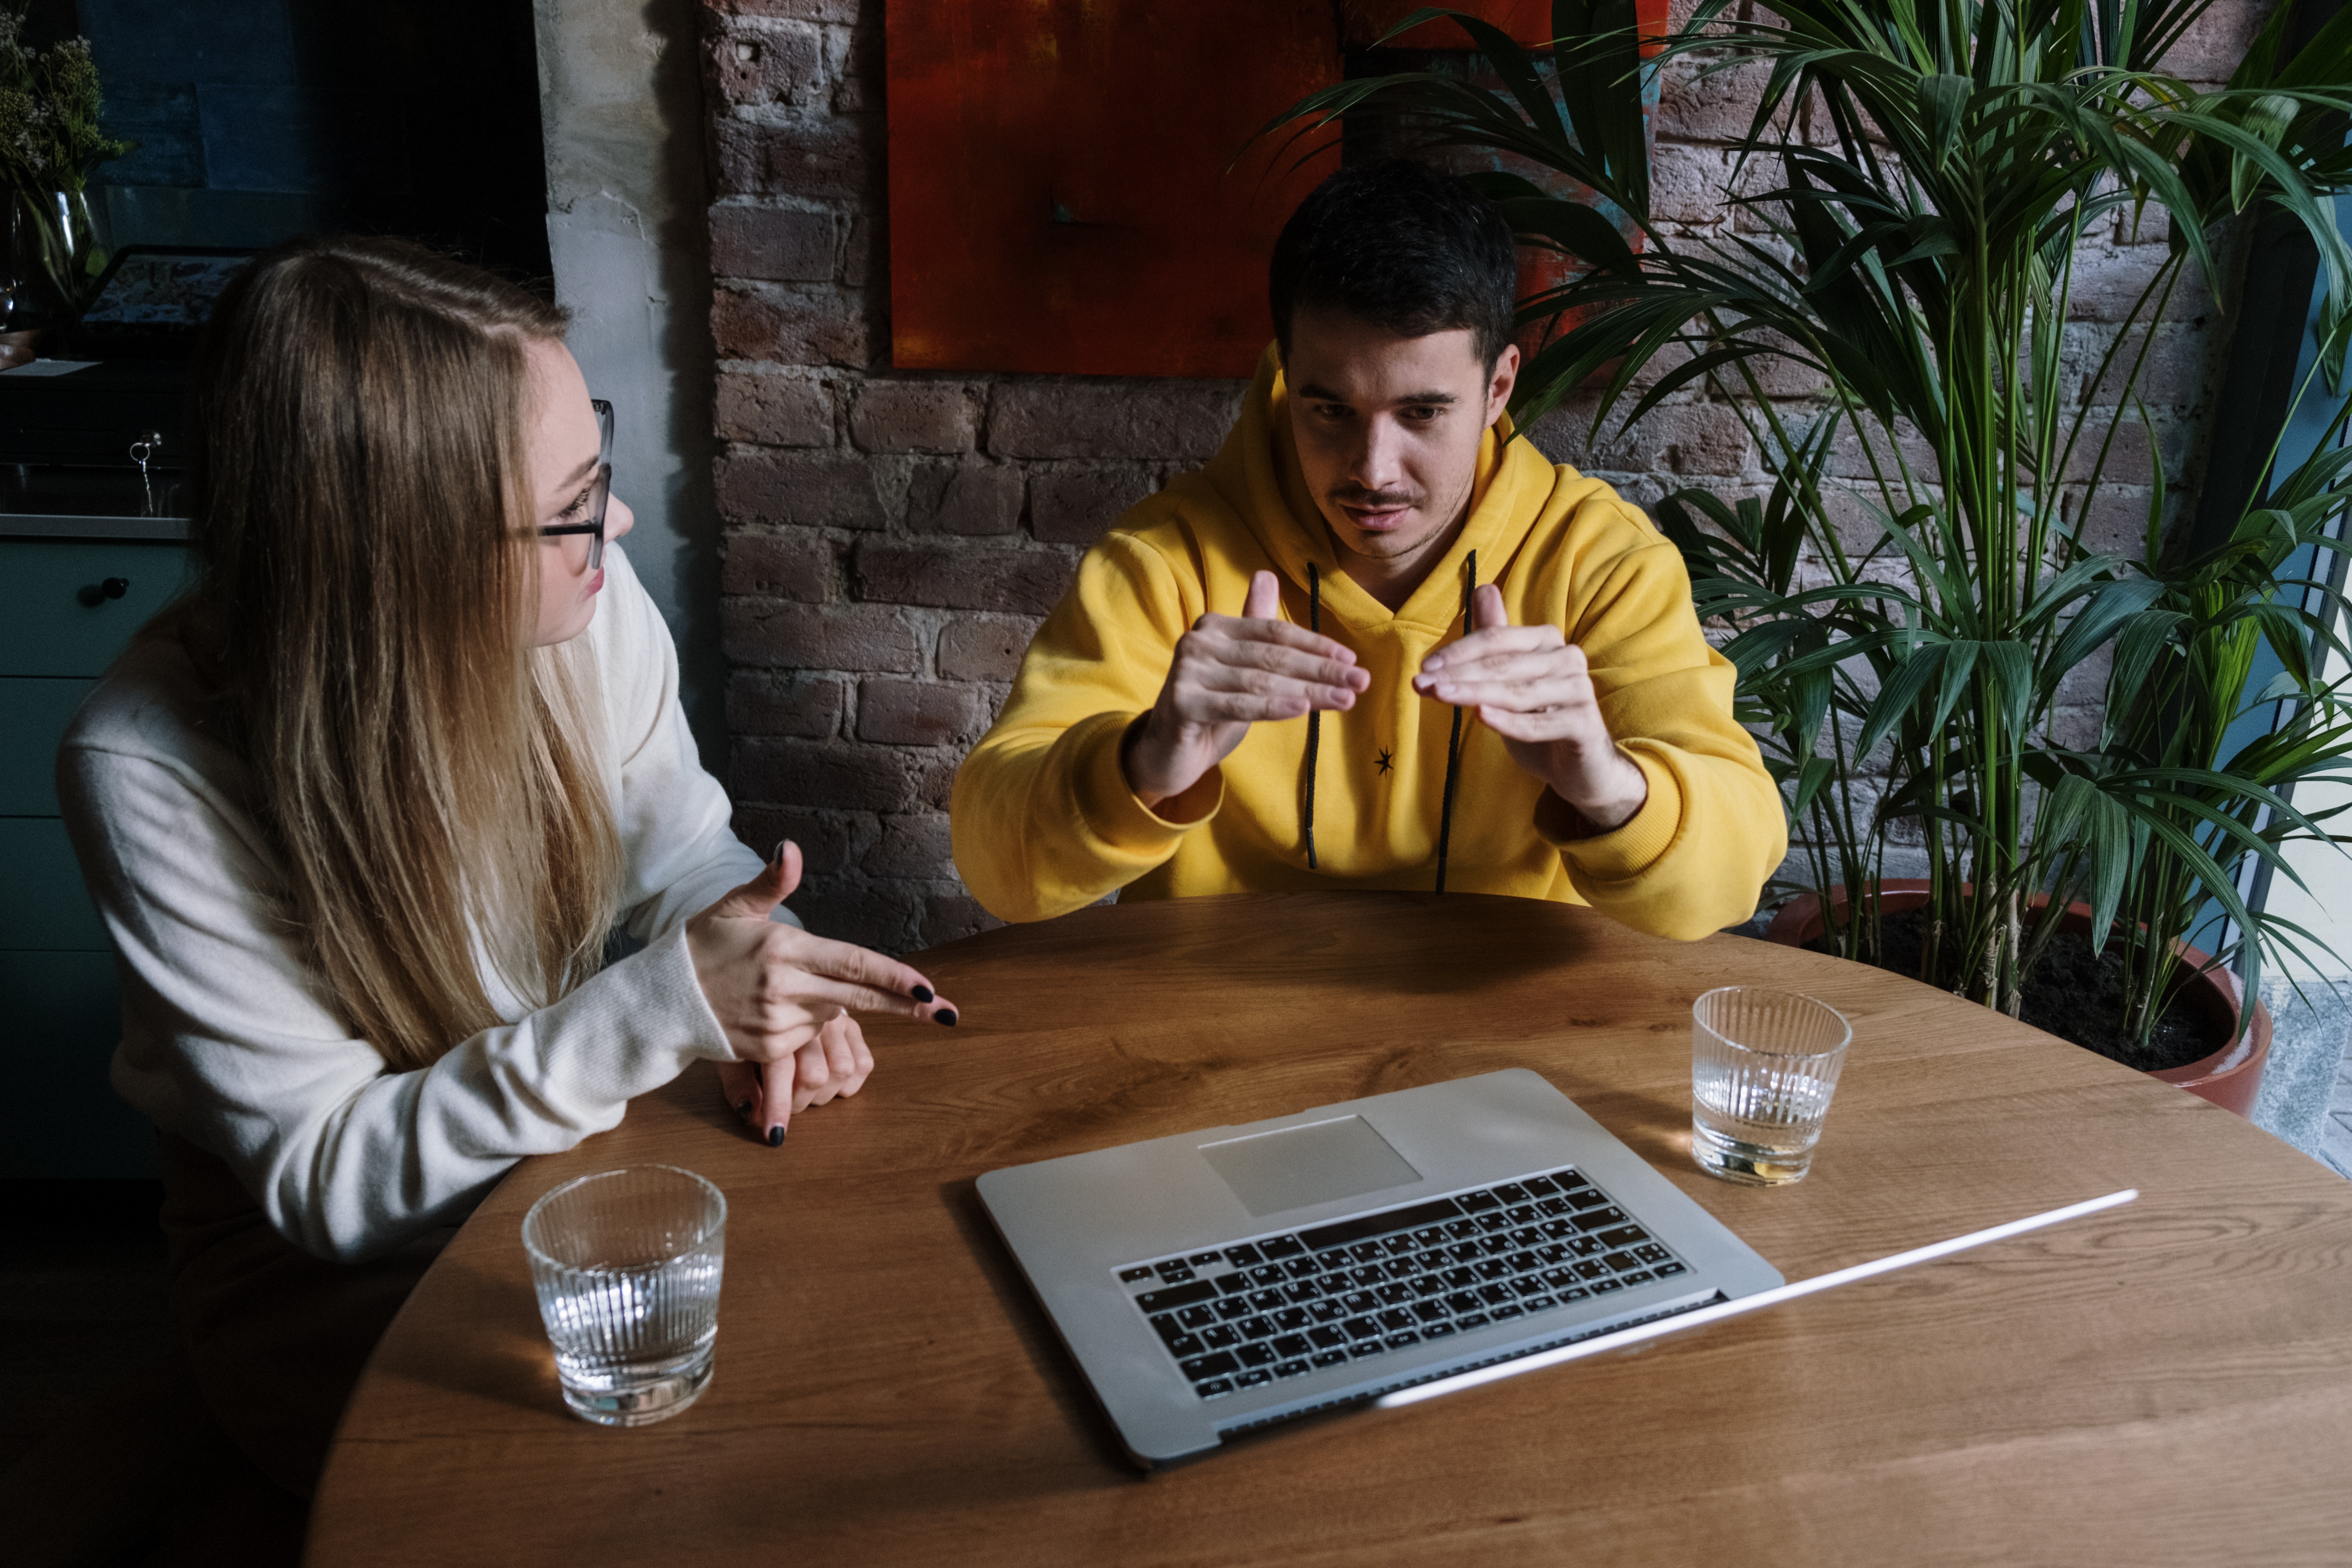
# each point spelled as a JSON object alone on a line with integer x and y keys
{"x": 1042, "y": 819}
{"x": 231, "y": 1040}
{"x": 1692, "y": 860}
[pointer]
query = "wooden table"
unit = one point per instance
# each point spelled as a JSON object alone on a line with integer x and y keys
{"x": 2167, "y": 1383}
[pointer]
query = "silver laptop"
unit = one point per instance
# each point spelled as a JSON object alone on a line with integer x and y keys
{"x": 1219, "y": 1282}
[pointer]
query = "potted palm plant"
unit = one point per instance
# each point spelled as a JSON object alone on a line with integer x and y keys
{"x": 1903, "y": 639}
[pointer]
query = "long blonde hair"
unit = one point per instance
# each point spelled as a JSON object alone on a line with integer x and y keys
{"x": 361, "y": 507}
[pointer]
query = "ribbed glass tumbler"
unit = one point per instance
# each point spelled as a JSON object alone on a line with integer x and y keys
{"x": 627, "y": 1267}
{"x": 1763, "y": 1065}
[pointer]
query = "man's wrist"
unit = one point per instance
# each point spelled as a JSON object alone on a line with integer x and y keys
{"x": 1612, "y": 805}
{"x": 1127, "y": 745}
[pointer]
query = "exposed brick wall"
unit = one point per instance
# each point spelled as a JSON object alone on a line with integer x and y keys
{"x": 892, "y": 538}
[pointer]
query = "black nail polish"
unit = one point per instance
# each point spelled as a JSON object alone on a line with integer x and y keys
{"x": 742, "y": 1108}
{"x": 775, "y": 1136}
{"x": 920, "y": 993}
{"x": 944, "y": 1016}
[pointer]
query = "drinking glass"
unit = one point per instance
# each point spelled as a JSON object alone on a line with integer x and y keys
{"x": 1763, "y": 1065}
{"x": 627, "y": 1264}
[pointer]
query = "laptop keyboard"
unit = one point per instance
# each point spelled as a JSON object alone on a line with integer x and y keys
{"x": 1243, "y": 1316}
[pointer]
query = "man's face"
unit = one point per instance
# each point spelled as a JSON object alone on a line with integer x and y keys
{"x": 1388, "y": 431}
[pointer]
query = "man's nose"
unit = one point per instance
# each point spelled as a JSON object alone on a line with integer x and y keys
{"x": 1380, "y": 459}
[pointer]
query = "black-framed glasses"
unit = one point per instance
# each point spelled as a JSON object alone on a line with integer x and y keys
{"x": 600, "y": 490}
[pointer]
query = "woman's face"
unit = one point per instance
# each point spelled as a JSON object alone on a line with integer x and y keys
{"x": 562, "y": 442}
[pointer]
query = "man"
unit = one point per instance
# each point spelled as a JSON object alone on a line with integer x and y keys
{"x": 1376, "y": 643}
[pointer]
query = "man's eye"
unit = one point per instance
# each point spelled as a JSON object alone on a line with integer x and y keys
{"x": 1421, "y": 415}
{"x": 1333, "y": 410}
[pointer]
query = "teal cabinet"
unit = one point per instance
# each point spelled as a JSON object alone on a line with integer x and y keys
{"x": 71, "y": 598}
{"x": 61, "y": 1119}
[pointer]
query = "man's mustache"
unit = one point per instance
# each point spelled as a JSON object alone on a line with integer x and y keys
{"x": 1376, "y": 499}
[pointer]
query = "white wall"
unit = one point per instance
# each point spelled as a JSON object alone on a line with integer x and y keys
{"x": 621, "y": 108}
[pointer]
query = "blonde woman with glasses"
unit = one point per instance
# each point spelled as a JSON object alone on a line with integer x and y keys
{"x": 362, "y": 810}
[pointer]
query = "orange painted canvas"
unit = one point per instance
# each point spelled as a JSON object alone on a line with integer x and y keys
{"x": 1072, "y": 182}
{"x": 1526, "y": 21}
{"x": 1060, "y": 198}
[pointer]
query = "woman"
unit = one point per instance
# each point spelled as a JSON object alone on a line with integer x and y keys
{"x": 362, "y": 813}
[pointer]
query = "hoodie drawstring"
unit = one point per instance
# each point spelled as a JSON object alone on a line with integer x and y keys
{"x": 1314, "y": 715}
{"x": 1454, "y": 741}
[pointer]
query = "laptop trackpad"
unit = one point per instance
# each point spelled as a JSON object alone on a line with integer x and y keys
{"x": 1271, "y": 1171}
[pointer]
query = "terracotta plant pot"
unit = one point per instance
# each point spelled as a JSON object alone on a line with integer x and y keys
{"x": 2230, "y": 1078}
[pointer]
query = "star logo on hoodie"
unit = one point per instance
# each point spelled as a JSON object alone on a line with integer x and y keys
{"x": 1381, "y": 762}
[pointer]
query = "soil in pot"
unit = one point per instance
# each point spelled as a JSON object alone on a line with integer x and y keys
{"x": 2075, "y": 996}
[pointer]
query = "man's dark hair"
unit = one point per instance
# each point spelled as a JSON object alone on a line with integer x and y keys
{"x": 1403, "y": 247}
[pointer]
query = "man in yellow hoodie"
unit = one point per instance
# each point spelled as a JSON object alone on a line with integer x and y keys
{"x": 1376, "y": 642}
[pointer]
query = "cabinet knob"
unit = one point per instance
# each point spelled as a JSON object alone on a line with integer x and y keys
{"x": 96, "y": 593}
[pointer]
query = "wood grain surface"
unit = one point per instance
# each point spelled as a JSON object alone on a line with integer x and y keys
{"x": 2169, "y": 1383}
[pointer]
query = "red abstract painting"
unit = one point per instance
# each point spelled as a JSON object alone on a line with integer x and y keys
{"x": 1074, "y": 187}
{"x": 1064, "y": 193}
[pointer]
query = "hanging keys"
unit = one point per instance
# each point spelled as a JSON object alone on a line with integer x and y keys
{"x": 144, "y": 448}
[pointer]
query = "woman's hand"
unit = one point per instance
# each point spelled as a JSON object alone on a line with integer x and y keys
{"x": 783, "y": 996}
{"x": 835, "y": 1062}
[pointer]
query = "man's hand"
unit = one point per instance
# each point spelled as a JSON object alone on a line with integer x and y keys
{"x": 1228, "y": 674}
{"x": 1530, "y": 686}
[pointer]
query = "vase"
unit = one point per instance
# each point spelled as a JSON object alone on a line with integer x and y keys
{"x": 2231, "y": 1078}
{"x": 53, "y": 260}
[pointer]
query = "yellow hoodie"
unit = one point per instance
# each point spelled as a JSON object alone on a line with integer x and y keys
{"x": 1044, "y": 820}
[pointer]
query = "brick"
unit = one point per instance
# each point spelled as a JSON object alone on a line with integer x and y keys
{"x": 2127, "y": 455}
{"x": 2108, "y": 284}
{"x": 1847, "y": 460}
{"x": 2214, "y": 44}
{"x": 795, "y": 565}
{"x": 1686, "y": 186}
{"x": 2087, "y": 681}
{"x": 2172, "y": 376}
{"x": 935, "y": 773}
{"x": 965, "y": 499}
{"x": 827, "y": 838}
{"x": 814, "y": 490}
{"x": 2116, "y": 521}
{"x": 862, "y": 253}
{"x": 1685, "y": 438}
{"x": 841, "y": 12}
{"x": 761, "y": 704}
{"x": 844, "y": 775}
{"x": 915, "y": 846}
{"x": 773, "y": 410}
{"x": 1700, "y": 105}
{"x": 951, "y": 917}
{"x": 919, "y": 712}
{"x": 854, "y": 59}
{"x": 1128, "y": 418}
{"x": 804, "y": 324}
{"x": 940, "y": 417}
{"x": 977, "y": 577}
{"x": 984, "y": 648}
{"x": 776, "y": 636}
{"x": 882, "y": 919}
{"x": 834, "y": 156}
{"x": 1073, "y": 506}
{"x": 779, "y": 244}
{"x": 781, "y": 62}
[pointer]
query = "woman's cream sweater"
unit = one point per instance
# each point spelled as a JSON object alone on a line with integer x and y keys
{"x": 229, "y": 1037}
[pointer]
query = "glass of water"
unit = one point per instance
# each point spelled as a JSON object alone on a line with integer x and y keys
{"x": 627, "y": 1266}
{"x": 1763, "y": 1065}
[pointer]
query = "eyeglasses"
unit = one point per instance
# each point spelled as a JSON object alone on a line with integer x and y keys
{"x": 600, "y": 490}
